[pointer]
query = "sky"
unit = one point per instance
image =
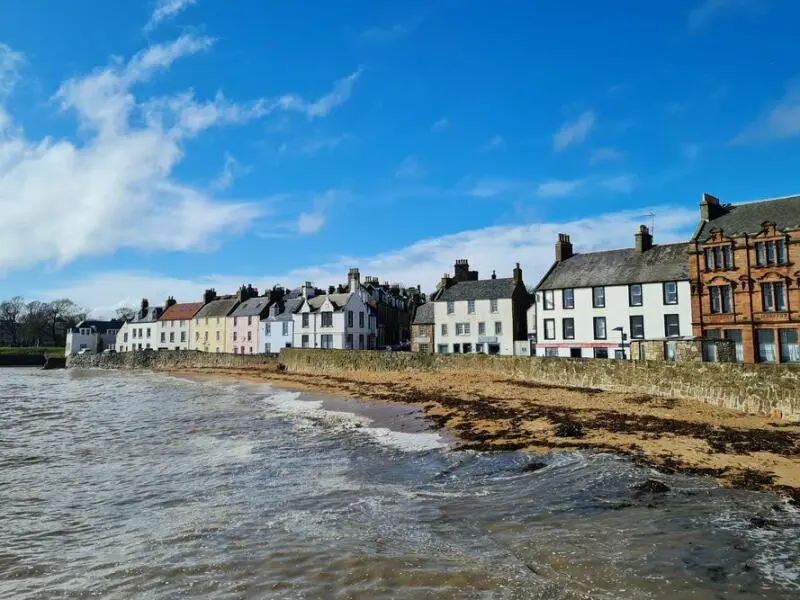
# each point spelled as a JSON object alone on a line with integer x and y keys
{"x": 159, "y": 147}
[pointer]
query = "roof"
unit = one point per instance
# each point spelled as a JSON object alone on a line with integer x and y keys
{"x": 181, "y": 312}
{"x": 338, "y": 301}
{"x": 287, "y": 308}
{"x": 483, "y": 289}
{"x": 150, "y": 315}
{"x": 217, "y": 308}
{"x": 424, "y": 314}
{"x": 668, "y": 262}
{"x": 252, "y": 307}
{"x": 98, "y": 326}
{"x": 747, "y": 218}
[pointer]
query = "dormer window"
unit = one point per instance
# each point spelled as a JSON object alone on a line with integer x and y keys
{"x": 719, "y": 258}
{"x": 771, "y": 253}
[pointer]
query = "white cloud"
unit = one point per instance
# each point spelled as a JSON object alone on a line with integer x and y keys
{"x": 495, "y": 186}
{"x": 166, "y": 9}
{"x": 781, "y": 122}
{"x": 441, "y": 124}
{"x": 10, "y": 64}
{"x": 623, "y": 184}
{"x": 308, "y": 223}
{"x": 708, "y": 10}
{"x": 342, "y": 90}
{"x": 558, "y": 188}
{"x": 230, "y": 171}
{"x": 574, "y": 132}
{"x": 498, "y": 142}
{"x": 422, "y": 263}
{"x": 312, "y": 221}
{"x": 61, "y": 200}
{"x": 604, "y": 155}
{"x": 410, "y": 168}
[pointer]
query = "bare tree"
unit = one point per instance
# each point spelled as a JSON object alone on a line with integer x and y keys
{"x": 61, "y": 315}
{"x": 11, "y": 313}
{"x": 125, "y": 313}
{"x": 35, "y": 322}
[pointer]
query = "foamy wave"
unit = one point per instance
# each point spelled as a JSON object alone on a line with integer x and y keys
{"x": 221, "y": 450}
{"x": 310, "y": 412}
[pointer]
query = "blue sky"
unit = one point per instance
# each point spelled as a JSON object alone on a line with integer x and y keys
{"x": 155, "y": 148}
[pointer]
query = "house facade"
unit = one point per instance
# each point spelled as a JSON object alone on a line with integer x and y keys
{"x": 210, "y": 325}
{"x": 745, "y": 278}
{"x": 94, "y": 336}
{"x": 423, "y": 336}
{"x": 589, "y": 305}
{"x": 141, "y": 332}
{"x": 244, "y": 322}
{"x": 481, "y": 316}
{"x": 175, "y": 325}
{"x": 277, "y": 328}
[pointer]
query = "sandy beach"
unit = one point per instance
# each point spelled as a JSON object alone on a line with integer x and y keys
{"x": 486, "y": 413}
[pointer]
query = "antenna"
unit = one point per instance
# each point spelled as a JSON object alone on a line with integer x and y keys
{"x": 652, "y": 216}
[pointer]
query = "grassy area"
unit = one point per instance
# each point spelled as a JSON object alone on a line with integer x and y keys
{"x": 53, "y": 351}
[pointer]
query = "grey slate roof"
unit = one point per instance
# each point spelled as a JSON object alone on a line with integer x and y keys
{"x": 338, "y": 301}
{"x": 254, "y": 307}
{"x": 98, "y": 326}
{"x": 153, "y": 313}
{"x": 424, "y": 314}
{"x": 747, "y": 218}
{"x": 217, "y": 308}
{"x": 668, "y": 262}
{"x": 484, "y": 289}
{"x": 287, "y": 308}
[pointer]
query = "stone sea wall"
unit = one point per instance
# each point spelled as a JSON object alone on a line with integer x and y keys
{"x": 759, "y": 389}
{"x": 171, "y": 359}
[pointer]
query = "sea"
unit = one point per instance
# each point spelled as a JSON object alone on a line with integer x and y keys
{"x": 125, "y": 485}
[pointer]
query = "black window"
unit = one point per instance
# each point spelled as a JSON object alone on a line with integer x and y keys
{"x": 672, "y": 326}
{"x": 670, "y": 292}
{"x": 549, "y": 329}
{"x": 327, "y": 319}
{"x": 568, "y": 329}
{"x": 575, "y": 353}
{"x": 599, "y": 297}
{"x": 349, "y": 318}
{"x": 635, "y": 294}
{"x": 549, "y": 303}
{"x": 361, "y": 319}
{"x": 568, "y": 298}
{"x": 637, "y": 327}
{"x": 599, "y": 328}
{"x": 305, "y": 319}
{"x": 601, "y": 352}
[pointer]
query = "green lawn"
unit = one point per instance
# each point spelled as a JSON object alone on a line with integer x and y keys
{"x": 32, "y": 350}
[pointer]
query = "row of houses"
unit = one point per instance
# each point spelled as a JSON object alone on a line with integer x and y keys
{"x": 733, "y": 287}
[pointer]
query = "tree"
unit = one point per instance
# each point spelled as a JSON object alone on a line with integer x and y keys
{"x": 62, "y": 315}
{"x": 11, "y": 313}
{"x": 125, "y": 313}
{"x": 34, "y": 322}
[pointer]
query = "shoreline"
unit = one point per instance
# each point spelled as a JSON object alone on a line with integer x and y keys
{"x": 480, "y": 411}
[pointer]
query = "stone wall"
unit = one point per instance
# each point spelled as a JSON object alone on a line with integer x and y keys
{"x": 685, "y": 350}
{"x": 171, "y": 359}
{"x": 758, "y": 389}
{"x": 22, "y": 360}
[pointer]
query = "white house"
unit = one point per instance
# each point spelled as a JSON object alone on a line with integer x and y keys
{"x": 173, "y": 331}
{"x": 92, "y": 336}
{"x": 481, "y": 316}
{"x": 141, "y": 332}
{"x": 591, "y": 304}
{"x": 340, "y": 321}
{"x": 276, "y": 331}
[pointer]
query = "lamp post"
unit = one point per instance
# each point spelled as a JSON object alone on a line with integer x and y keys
{"x": 621, "y": 339}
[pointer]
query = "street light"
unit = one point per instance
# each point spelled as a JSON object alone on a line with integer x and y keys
{"x": 621, "y": 339}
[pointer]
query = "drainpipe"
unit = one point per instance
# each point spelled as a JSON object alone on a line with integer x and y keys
{"x": 700, "y": 286}
{"x": 753, "y": 344}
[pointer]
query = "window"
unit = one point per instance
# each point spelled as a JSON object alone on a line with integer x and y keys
{"x": 235, "y": 322}
{"x": 451, "y": 308}
{"x": 147, "y": 346}
{"x": 285, "y": 328}
{"x": 217, "y": 350}
{"x": 251, "y": 349}
{"x": 304, "y": 341}
{"x": 549, "y": 329}
{"x": 599, "y": 328}
{"x": 172, "y": 337}
{"x": 197, "y": 336}
{"x": 249, "y": 320}
{"x": 361, "y": 319}
{"x": 601, "y": 352}
{"x": 444, "y": 329}
{"x": 462, "y": 328}
{"x": 727, "y": 257}
{"x": 305, "y": 320}
{"x": 349, "y": 318}
{"x": 361, "y": 345}
{"x": 599, "y": 297}
{"x": 575, "y": 353}
{"x": 493, "y": 305}
{"x": 348, "y": 341}
{"x": 218, "y": 334}
{"x": 568, "y": 298}
{"x": 670, "y": 292}
{"x": 267, "y": 329}
{"x": 249, "y": 336}
{"x": 327, "y": 319}
{"x": 568, "y": 329}
{"x": 235, "y": 336}
{"x": 183, "y": 336}
{"x": 206, "y": 336}
{"x": 235, "y": 350}
{"x": 770, "y": 253}
{"x": 217, "y": 320}
{"x": 481, "y": 328}
{"x": 148, "y": 332}
{"x": 498, "y": 328}
{"x": 736, "y": 336}
{"x": 125, "y": 338}
{"x": 267, "y": 348}
{"x": 551, "y": 352}
{"x": 773, "y": 297}
{"x": 471, "y": 307}
{"x": 766, "y": 345}
{"x": 635, "y": 294}
{"x": 637, "y": 327}
{"x": 424, "y": 348}
{"x": 441, "y": 349}
{"x": 326, "y": 341}
{"x": 133, "y": 333}
{"x": 549, "y": 303}
{"x": 478, "y": 348}
{"x": 456, "y": 348}
{"x": 780, "y": 251}
{"x": 467, "y": 348}
{"x": 672, "y": 326}
{"x": 721, "y": 299}
{"x": 790, "y": 351}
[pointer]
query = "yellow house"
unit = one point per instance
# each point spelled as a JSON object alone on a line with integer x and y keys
{"x": 209, "y": 327}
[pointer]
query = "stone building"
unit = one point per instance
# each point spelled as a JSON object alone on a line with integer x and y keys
{"x": 745, "y": 277}
{"x": 423, "y": 336}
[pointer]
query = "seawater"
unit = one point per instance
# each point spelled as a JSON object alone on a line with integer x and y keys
{"x": 116, "y": 485}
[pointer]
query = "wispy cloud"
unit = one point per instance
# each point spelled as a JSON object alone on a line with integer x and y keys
{"x": 166, "y": 9}
{"x": 382, "y": 35}
{"x": 316, "y": 145}
{"x": 558, "y": 188}
{"x": 497, "y": 143}
{"x": 604, "y": 155}
{"x": 410, "y": 168}
{"x": 490, "y": 187}
{"x": 230, "y": 171}
{"x": 781, "y": 122}
{"x": 440, "y": 125}
{"x": 311, "y": 222}
{"x": 709, "y": 10}
{"x": 574, "y": 132}
{"x": 308, "y": 223}
{"x": 622, "y": 184}
{"x": 342, "y": 90}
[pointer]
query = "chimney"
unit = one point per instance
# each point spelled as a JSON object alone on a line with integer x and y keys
{"x": 563, "y": 248}
{"x": 517, "y": 274}
{"x": 710, "y": 208}
{"x": 170, "y": 302}
{"x": 209, "y": 295}
{"x": 494, "y": 274}
{"x": 644, "y": 239}
{"x": 461, "y": 270}
{"x": 353, "y": 279}
{"x": 308, "y": 290}
{"x": 246, "y": 292}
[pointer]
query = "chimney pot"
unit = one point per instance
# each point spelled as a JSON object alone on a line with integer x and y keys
{"x": 643, "y": 239}
{"x": 563, "y": 248}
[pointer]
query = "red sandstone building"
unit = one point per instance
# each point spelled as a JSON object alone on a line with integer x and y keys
{"x": 744, "y": 270}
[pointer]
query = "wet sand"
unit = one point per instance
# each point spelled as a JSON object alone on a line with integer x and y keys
{"x": 484, "y": 412}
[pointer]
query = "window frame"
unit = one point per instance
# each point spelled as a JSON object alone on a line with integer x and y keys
{"x": 665, "y": 295}
{"x": 631, "y": 286}
{"x": 564, "y": 335}
{"x": 451, "y": 307}
{"x": 551, "y": 334}
{"x": 595, "y": 303}
{"x": 632, "y": 328}
{"x": 498, "y": 328}
{"x": 595, "y": 322}
{"x": 677, "y": 324}
{"x": 551, "y": 303}
{"x": 571, "y": 304}
{"x": 470, "y": 307}
{"x": 494, "y": 306}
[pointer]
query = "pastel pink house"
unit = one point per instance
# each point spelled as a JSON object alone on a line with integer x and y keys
{"x": 243, "y": 325}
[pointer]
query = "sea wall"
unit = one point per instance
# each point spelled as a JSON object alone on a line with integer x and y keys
{"x": 22, "y": 360}
{"x": 171, "y": 359}
{"x": 759, "y": 389}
